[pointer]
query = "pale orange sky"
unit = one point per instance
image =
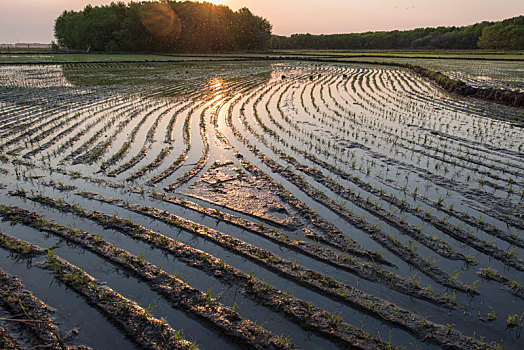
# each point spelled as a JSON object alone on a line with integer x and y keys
{"x": 33, "y": 20}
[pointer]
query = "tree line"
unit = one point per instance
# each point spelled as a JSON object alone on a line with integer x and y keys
{"x": 506, "y": 34}
{"x": 162, "y": 26}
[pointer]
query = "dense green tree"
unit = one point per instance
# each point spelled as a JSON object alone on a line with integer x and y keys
{"x": 508, "y": 34}
{"x": 166, "y": 26}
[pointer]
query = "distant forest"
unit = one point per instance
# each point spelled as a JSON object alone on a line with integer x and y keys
{"x": 187, "y": 26}
{"x": 506, "y": 34}
{"x": 162, "y": 26}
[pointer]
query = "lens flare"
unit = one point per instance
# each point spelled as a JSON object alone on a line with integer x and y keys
{"x": 161, "y": 21}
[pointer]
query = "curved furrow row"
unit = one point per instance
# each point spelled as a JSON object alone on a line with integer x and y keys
{"x": 454, "y": 232}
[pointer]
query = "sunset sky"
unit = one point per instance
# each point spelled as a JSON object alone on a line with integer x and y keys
{"x": 32, "y": 20}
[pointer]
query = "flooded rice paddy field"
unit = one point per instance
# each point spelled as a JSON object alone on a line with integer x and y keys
{"x": 256, "y": 205}
{"x": 501, "y": 74}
